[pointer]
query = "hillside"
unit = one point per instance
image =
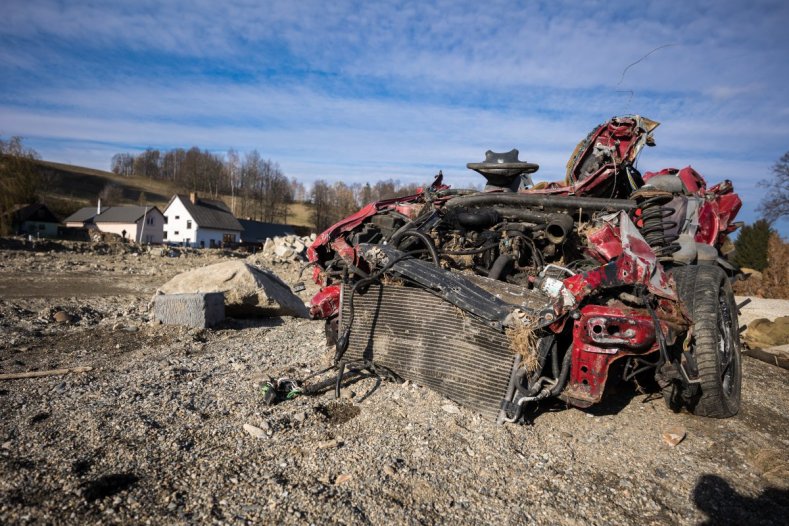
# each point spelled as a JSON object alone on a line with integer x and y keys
{"x": 66, "y": 188}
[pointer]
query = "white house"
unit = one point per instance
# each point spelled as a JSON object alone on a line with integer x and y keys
{"x": 200, "y": 223}
{"x": 143, "y": 224}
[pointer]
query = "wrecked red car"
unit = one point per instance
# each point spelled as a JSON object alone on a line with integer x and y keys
{"x": 520, "y": 293}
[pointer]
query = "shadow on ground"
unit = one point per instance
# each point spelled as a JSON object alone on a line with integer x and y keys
{"x": 722, "y": 504}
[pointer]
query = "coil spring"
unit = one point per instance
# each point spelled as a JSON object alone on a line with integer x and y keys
{"x": 654, "y": 213}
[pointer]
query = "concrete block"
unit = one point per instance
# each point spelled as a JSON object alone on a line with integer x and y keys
{"x": 202, "y": 309}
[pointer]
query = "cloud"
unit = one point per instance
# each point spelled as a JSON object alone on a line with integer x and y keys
{"x": 368, "y": 90}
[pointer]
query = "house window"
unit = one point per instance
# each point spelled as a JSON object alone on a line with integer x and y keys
{"x": 150, "y": 220}
{"x": 188, "y": 224}
{"x": 178, "y": 217}
{"x": 165, "y": 220}
{"x": 164, "y": 234}
{"x": 175, "y": 233}
{"x": 228, "y": 238}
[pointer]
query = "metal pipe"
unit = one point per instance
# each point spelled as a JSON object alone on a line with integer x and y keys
{"x": 553, "y": 202}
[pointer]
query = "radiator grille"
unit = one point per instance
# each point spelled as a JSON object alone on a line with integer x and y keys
{"x": 422, "y": 338}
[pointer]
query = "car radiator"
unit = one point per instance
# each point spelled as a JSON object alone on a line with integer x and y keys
{"x": 423, "y": 338}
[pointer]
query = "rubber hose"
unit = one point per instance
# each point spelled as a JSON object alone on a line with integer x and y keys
{"x": 499, "y": 265}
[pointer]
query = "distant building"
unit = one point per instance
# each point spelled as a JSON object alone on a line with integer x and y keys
{"x": 259, "y": 232}
{"x": 142, "y": 224}
{"x": 84, "y": 216}
{"x": 201, "y": 223}
{"x": 35, "y": 220}
{"x": 81, "y": 218}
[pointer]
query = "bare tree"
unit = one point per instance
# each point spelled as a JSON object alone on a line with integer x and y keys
{"x": 19, "y": 178}
{"x": 111, "y": 194}
{"x": 123, "y": 164}
{"x": 322, "y": 202}
{"x": 775, "y": 204}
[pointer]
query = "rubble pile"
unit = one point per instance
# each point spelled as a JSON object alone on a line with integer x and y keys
{"x": 287, "y": 248}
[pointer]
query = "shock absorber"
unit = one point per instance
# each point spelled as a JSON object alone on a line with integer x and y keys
{"x": 655, "y": 225}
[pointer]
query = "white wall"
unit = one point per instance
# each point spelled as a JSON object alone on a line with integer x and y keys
{"x": 177, "y": 220}
{"x": 152, "y": 233}
{"x": 153, "y": 229}
{"x": 179, "y": 231}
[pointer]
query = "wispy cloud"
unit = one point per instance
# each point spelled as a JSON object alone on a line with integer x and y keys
{"x": 368, "y": 90}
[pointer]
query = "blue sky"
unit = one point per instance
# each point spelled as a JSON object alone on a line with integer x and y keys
{"x": 370, "y": 90}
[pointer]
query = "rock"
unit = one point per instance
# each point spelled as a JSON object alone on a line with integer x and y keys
{"x": 62, "y": 317}
{"x": 300, "y": 417}
{"x": 451, "y": 409}
{"x": 389, "y": 469}
{"x": 248, "y": 290}
{"x": 254, "y": 431}
{"x": 342, "y": 479}
{"x": 674, "y": 435}
{"x": 766, "y": 333}
{"x": 329, "y": 444}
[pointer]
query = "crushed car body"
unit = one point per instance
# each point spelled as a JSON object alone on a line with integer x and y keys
{"x": 502, "y": 298}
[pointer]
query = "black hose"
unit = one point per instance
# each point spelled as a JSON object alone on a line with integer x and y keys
{"x": 554, "y": 202}
{"x": 499, "y": 265}
{"x": 478, "y": 219}
{"x": 426, "y": 240}
{"x": 467, "y": 252}
{"x": 562, "y": 380}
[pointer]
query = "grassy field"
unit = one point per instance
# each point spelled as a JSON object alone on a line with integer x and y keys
{"x": 68, "y": 188}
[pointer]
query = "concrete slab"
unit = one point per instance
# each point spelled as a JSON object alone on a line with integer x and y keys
{"x": 201, "y": 310}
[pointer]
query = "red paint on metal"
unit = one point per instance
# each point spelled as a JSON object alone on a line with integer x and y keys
{"x": 604, "y": 243}
{"x": 325, "y": 303}
{"x": 591, "y": 360}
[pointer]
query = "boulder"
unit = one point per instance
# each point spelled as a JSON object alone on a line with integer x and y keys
{"x": 249, "y": 290}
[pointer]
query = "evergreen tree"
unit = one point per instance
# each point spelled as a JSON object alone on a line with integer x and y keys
{"x": 751, "y": 245}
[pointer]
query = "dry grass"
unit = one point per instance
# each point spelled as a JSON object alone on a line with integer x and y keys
{"x": 523, "y": 341}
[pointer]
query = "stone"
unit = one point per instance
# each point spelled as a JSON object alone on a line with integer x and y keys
{"x": 201, "y": 310}
{"x": 674, "y": 435}
{"x": 390, "y": 469}
{"x": 254, "y": 431}
{"x": 248, "y": 290}
{"x": 283, "y": 251}
{"x": 342, "y": 479}
{"x": 451, "y": 409}
{"x": 62, "y": 317}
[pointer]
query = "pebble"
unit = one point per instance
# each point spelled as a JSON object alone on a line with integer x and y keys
{"x": 255, "y": 431}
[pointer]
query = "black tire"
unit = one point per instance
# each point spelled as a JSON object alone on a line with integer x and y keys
{"x": 715, "y": 345}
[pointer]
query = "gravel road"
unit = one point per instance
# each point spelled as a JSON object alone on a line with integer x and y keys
{"x": 154, "y": 434}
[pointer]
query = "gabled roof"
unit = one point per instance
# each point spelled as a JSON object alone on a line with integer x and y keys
{"x": 208, "y": 213}
{"x": 82, "y": 215}
{"x": 33, "y": 212}
{"x": 255, "y": 231}
{"x": 123, "y": 214}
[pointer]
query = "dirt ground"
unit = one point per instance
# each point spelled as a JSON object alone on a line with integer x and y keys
{"x": 154, "y": 434}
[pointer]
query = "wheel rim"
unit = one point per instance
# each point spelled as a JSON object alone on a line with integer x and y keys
{"x": 726, "y": 346}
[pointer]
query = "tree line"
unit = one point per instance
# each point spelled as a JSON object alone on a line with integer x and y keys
{"x": 333, "y": 201}
{"x": 257, "y": 187}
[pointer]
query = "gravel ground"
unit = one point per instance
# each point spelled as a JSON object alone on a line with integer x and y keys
{"x": 154, "y": 434}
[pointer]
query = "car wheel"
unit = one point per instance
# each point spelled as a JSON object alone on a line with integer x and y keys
{"x": 715, "y": 342}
